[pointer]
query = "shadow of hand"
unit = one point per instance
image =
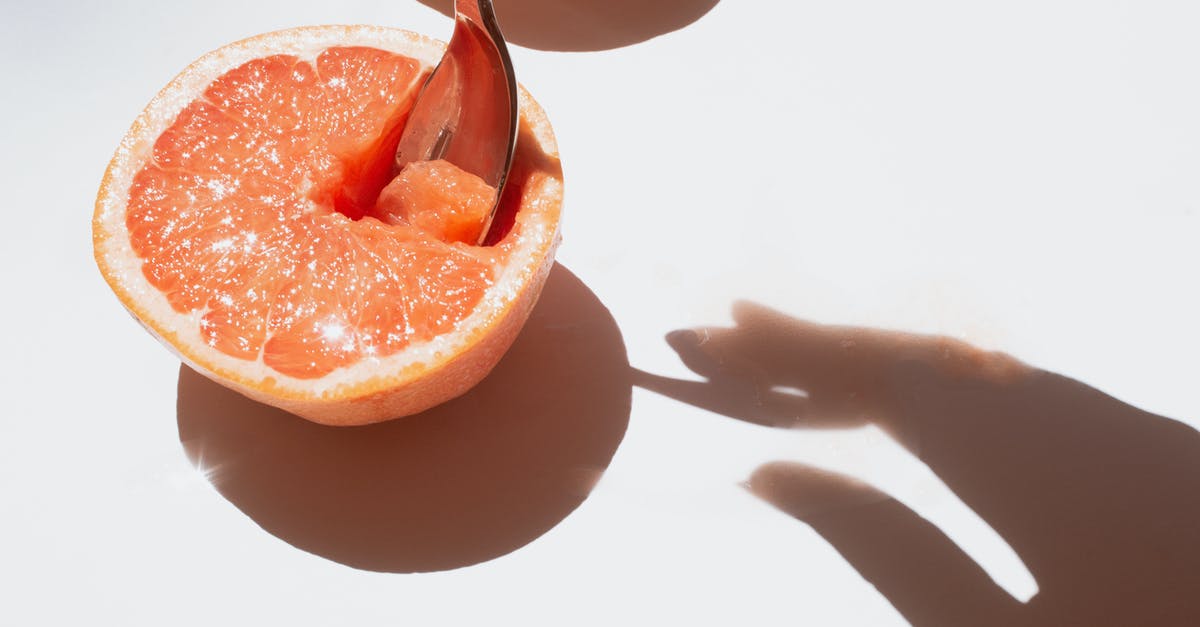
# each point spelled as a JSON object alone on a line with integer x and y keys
{"x": 1100, "y": 499}
{"x": 587, "y": 25}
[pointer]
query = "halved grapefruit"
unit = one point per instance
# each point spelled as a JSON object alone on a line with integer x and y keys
{"x": 241, "y": 222}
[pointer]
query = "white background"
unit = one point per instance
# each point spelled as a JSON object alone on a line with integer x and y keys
{"x": 1019, "y": 175}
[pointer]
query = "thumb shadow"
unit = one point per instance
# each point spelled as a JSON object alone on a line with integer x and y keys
{"x": 587, "y": 25}
{"x": 462, "y": 483}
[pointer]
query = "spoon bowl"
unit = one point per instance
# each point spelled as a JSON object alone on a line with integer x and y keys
{"x": 466, "y": 112}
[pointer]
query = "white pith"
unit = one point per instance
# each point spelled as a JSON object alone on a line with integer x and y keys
{"x": 182, "y": 330}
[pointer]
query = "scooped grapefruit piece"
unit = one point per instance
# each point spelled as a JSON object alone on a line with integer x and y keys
{"x": 241, "y": 220}
{"x": 439, "y": 198}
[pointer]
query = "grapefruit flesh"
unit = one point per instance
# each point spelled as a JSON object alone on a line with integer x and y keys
{"x": 249, "y": 221}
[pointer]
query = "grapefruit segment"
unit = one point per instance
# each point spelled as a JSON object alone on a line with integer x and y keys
{"x": 242, "y": 221}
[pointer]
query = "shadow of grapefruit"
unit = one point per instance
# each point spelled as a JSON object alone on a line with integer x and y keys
{"x": 468, "y": 481}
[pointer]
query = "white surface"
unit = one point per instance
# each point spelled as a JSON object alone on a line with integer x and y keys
{"x": 1019, "y": 175}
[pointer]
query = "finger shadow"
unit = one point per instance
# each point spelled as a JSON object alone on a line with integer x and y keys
{"x": 465, "y": 482}
{"x": 587, "y": 25}
{"x": 1099, "y": 499}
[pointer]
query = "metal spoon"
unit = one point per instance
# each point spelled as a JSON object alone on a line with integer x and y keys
{"x": 466, "y": 112}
